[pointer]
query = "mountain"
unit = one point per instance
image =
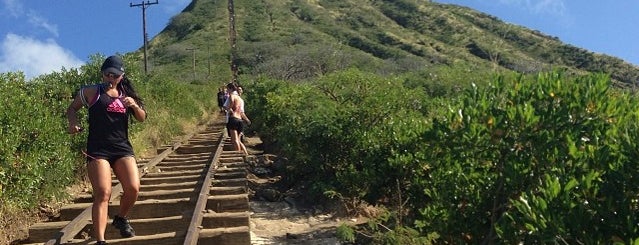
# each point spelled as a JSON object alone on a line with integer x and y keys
{"x": 298, "y": 39}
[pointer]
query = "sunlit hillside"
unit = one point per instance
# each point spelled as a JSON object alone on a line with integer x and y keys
{"x": 297, "y": 39}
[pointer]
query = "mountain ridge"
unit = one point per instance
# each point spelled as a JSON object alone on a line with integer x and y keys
{"x": 299, "y": 39}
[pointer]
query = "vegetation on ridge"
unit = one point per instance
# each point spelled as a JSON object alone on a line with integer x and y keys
{"x": 299, "y": 39}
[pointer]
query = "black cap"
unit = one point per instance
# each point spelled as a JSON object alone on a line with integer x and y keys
{"x": 113, "y": 64}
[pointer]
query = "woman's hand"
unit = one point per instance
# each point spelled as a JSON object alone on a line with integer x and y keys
{"x": 74, "y": 129}
{"x": 130, "y": 102}
{"x": 138, "y": 112}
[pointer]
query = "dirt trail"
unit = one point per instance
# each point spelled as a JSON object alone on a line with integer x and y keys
{"x": 280, "y": 219}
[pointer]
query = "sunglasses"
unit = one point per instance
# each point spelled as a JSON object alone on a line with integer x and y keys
{"x": 112, "y": 75}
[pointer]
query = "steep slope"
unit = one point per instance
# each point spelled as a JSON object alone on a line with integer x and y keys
{"x": 297, "y": 39}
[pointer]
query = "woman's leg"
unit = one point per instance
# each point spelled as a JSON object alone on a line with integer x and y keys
{"x": 126, "y": 170}
{"x": 235, "y": 139}
{"x": 234, "y": 127}
{"x": 242, "y": 147}
{"x": 99, "y": 173}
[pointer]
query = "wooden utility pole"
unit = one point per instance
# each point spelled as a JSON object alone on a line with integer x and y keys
{"x": 144, "y": 5}
{"x": 193, "y": 50}
{"x": 209, "y": 62}
{"x": 232, "y": 39}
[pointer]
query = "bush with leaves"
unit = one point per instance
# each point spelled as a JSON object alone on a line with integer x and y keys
{"x": 39, "y": 158}
{"x": 545, "y": 159}
{"x": 35, "y": 154}
{"x": 549, "y": 160}
{"x": 331, "y": 128}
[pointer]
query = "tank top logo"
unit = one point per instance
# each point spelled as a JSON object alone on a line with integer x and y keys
{"x": 116, "y": 106}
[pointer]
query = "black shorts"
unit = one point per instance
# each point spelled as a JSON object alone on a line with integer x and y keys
{"x": 108, "y": 151}
{"x": 235, "y": 124}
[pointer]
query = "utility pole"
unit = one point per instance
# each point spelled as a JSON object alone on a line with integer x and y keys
{"x": 232, "y": 39}
{"x": 193, "y": 50}
{"x": 144, "y": 5}
{"x": 209, "y": 62}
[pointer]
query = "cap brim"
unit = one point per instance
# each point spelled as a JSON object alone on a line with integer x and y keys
{"x": 113, "y": 70}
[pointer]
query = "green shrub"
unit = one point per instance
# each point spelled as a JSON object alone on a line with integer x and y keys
{"x": 324, "y": 126}
{"x": 39, "y": 158}
{"x": 541, "y": 161}
{"x": 35, "y": 153}
{"x": 345, "y": 233}
{"x": 546, "y": 159}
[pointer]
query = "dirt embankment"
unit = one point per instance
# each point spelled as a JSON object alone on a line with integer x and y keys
{"x": 281, "y": 216}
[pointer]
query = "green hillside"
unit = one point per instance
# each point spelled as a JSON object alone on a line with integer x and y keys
{"x": 298, "y": 39}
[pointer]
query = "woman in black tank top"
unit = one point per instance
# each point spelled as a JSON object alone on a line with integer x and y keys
{"x": 110, "y": 105}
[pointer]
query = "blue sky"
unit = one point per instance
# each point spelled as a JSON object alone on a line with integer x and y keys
{"x": 606, "y": 27}
{"x": 38, "y": 37}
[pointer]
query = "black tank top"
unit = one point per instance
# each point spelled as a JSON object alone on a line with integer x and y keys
{"x": 108, "y": 125}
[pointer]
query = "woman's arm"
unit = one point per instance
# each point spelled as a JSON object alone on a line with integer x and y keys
{"x": 72, "y": 115}
{"x": 139, "y": 113}
{"x": 246, "y": 119}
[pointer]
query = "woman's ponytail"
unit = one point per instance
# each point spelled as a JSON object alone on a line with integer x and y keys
{"x": 126, "y": 86}
{"x": 128, "y": 89}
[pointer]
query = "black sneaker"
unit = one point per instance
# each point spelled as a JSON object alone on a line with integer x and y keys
{"x": 123, "y": 225}
{"x": 101, "y": 243}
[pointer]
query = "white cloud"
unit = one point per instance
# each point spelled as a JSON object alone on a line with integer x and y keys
{"x": 34, "y": 57}
{"x": 39, "y": 21}
{"x": 13, "y": 7}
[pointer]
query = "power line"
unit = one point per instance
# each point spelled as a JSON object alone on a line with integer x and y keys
{"x": 144, "y": 5}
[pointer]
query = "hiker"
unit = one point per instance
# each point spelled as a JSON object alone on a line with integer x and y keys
{"x": 236, "y": 116}
{"x": 221, "y": 98}
{"x": 110, "y": 105}
{"x": 240, "y": 92}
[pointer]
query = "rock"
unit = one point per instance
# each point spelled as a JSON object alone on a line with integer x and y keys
{"x": 261, "y": 172}
{"x": 270, "y": 195}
